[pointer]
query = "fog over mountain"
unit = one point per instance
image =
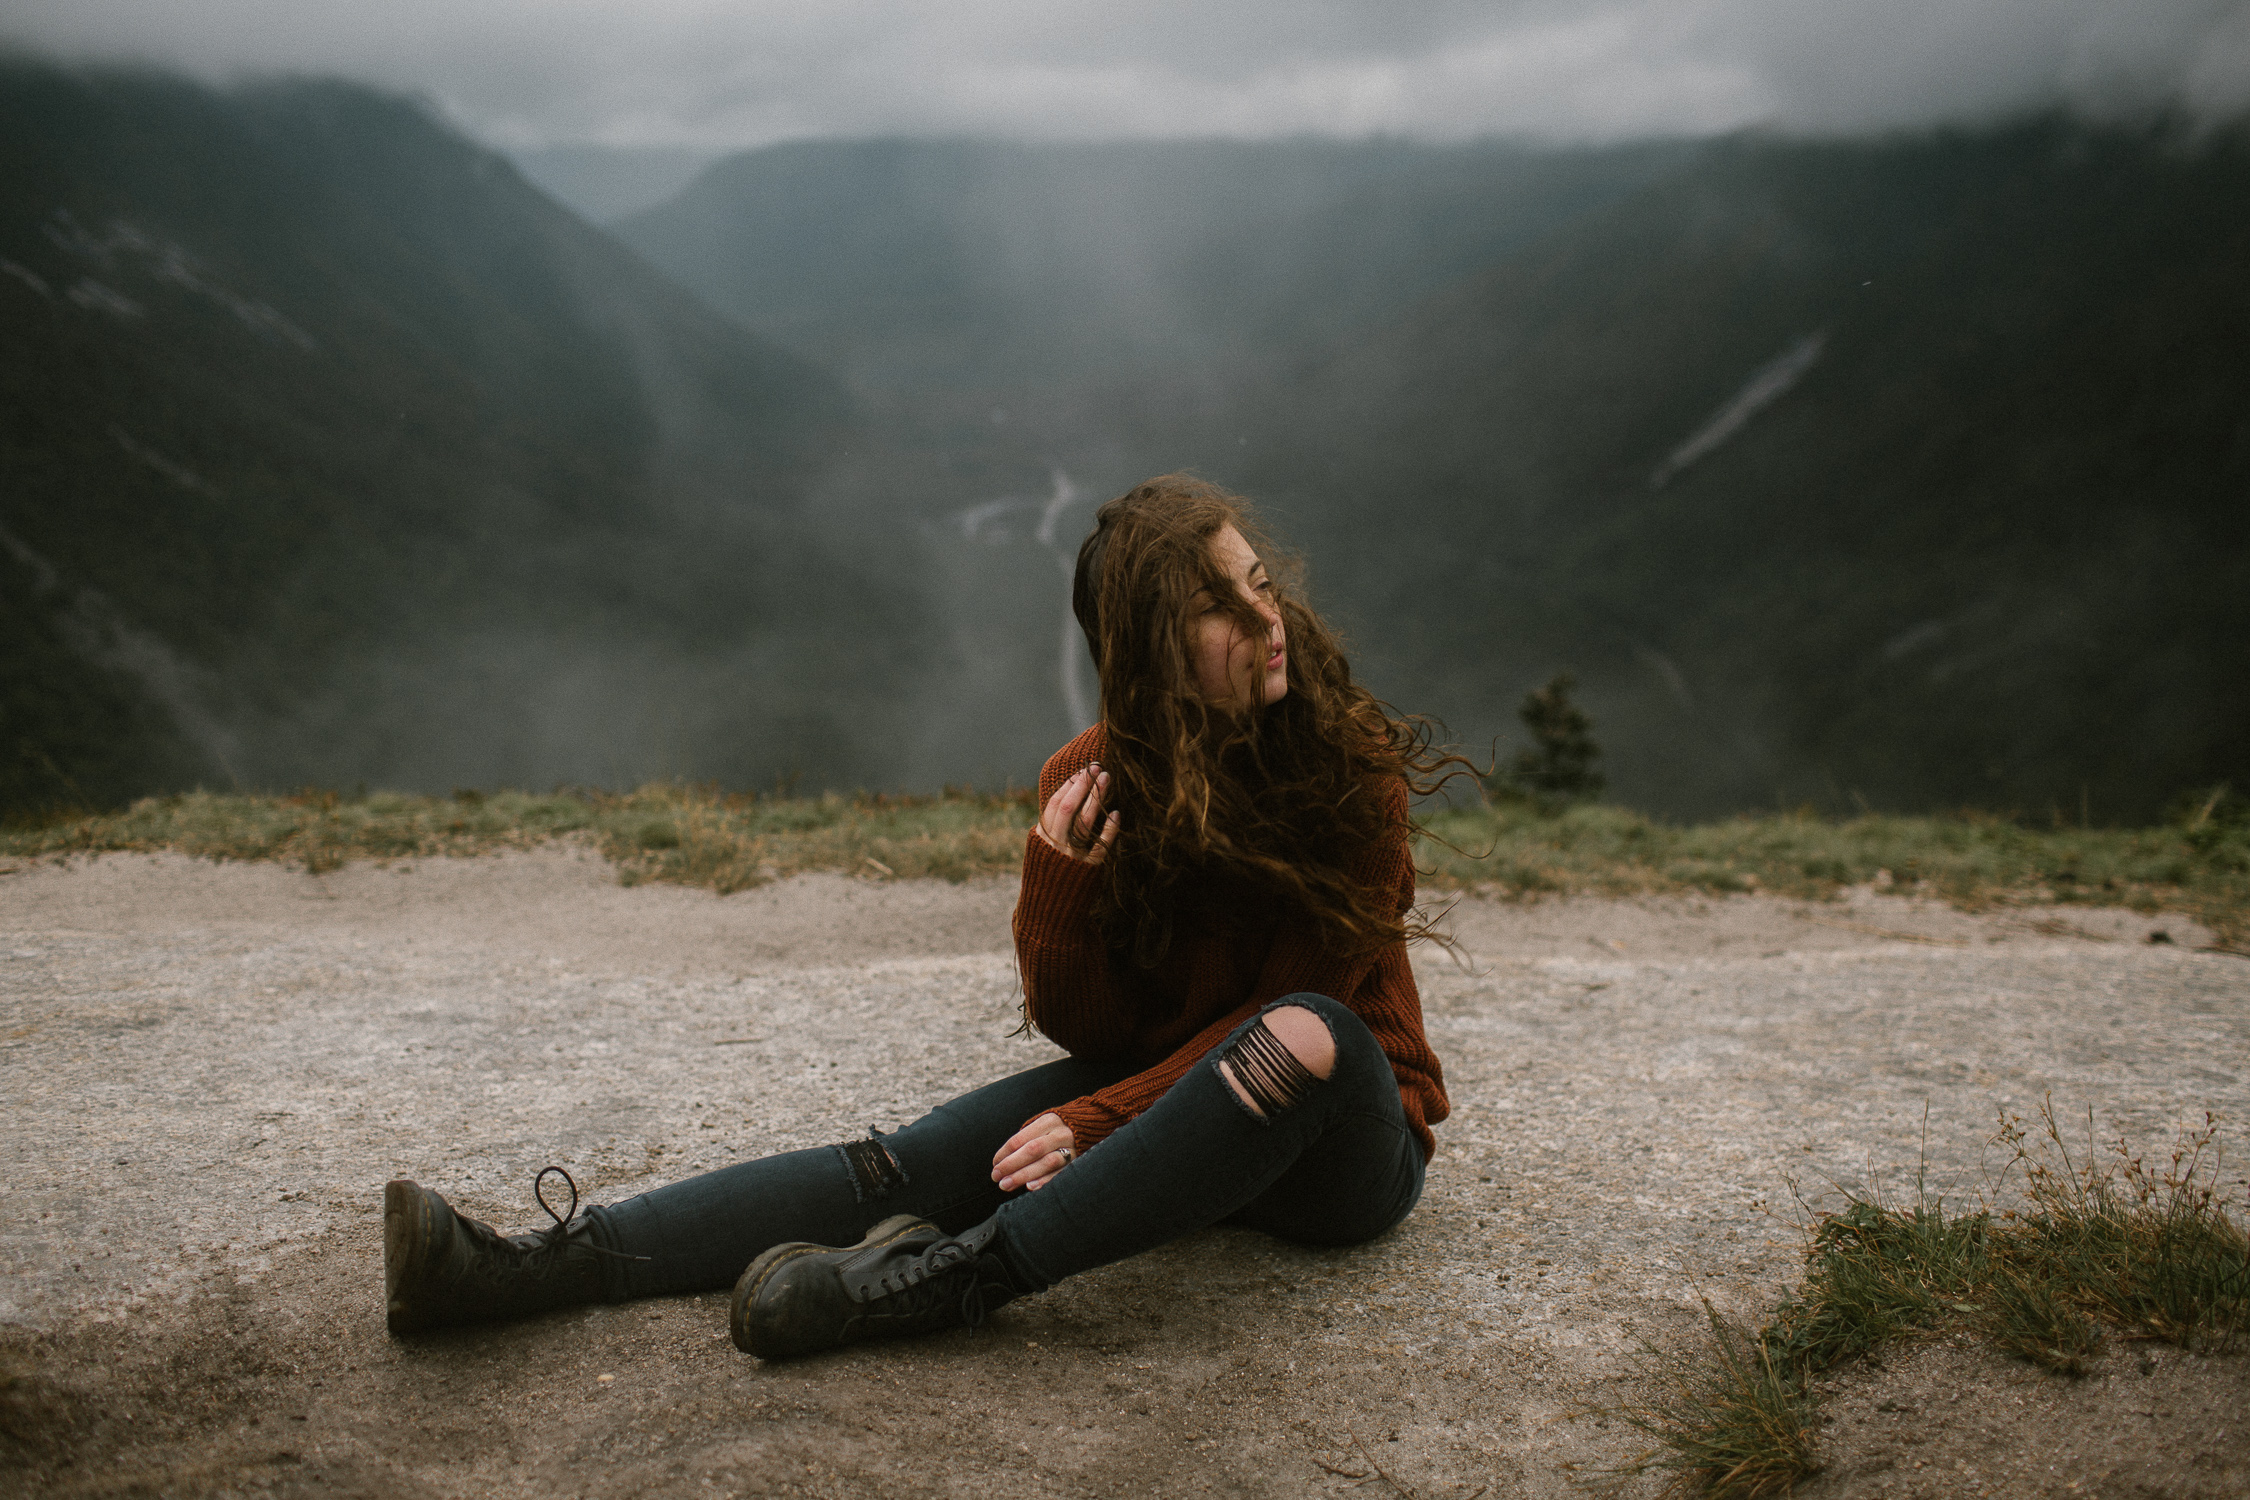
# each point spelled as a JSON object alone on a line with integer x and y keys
{"x": 724, "y": 75}
{"x": 1901, "y": 471}
{"x": 1898, "y": 473}
{"x": 611, "y": 182}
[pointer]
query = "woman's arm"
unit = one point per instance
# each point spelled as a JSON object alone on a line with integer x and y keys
{"x": 1069, "y": 995}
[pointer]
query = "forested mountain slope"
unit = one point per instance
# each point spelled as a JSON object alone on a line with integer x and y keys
{"x": 1906, "y": 472}
{"x": 329, "y": 449}
{"x": 1911, "y": 471}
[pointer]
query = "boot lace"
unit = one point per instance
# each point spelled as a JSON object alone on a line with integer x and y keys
{"x": 553, "y": 1241}
{"x": 927, "y": 1283}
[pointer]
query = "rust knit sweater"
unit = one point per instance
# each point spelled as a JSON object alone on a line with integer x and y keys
{"x": 1220, "y": 970}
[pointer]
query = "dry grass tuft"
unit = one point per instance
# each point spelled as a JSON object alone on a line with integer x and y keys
{"x": 2155, "y": 1250}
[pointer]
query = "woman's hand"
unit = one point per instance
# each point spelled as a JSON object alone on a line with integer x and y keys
{"x": 1072, "y": 824}
{"x": 1034, "y": 1153}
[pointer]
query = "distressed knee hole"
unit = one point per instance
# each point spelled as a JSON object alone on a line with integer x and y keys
{"x": 876, "y": 1173}
{"x": 1272, "y": 1067}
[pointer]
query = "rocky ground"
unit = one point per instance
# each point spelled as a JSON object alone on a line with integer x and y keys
{"x": 211, "y": 1070}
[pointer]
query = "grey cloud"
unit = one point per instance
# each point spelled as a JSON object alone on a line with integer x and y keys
{"x": 712, "y": 74}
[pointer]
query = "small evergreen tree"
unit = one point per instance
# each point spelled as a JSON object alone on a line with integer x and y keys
{"x": 1559, "y": 764}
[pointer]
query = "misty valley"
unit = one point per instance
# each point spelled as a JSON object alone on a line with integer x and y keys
{"x": 1906, "y": 472}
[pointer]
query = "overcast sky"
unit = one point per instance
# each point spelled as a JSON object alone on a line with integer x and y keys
{"x": 728, "y": 73}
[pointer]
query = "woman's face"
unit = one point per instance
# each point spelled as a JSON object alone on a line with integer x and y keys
{"x": 1232, "y": 668}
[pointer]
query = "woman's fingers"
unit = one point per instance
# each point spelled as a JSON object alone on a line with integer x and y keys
{"x": 1072, "y": 824}
{"x": 1012, "y": 1155}
{"x": 1028, "y": 1144}
{"x": 1090, "y": 807}
{"x": 1033, "y": 1154}
{"x": 1013, "y": 1166}
{"x": 1053, "y": 811}
{"x": 1061, "y": 811}
{"x": 1020, "y": 1170}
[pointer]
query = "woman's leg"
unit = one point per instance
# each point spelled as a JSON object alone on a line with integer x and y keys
{"x": 1325, "y": 1160}
{"x": 698, "y": 1234}
{"x": 1254, "y": 1133}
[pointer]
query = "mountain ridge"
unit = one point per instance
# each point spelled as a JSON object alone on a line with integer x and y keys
{"x": 328, "y": 400}
{"x": 1900, "y": 473}
{"x": 2000, "y": 378}
{"x": 1999, "y": 332}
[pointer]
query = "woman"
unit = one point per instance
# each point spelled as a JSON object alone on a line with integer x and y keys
{"x": 1213, "y": 923}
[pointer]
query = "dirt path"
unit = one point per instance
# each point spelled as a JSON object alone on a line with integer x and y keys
{"x": 211, "y": 1070}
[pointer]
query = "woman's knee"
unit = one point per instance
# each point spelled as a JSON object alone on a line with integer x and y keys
{"x": 1307, "y": 1036}
{"x": 1352, "y": 1046}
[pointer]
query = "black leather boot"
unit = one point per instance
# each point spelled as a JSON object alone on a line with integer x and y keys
{"x": 441, "y": 1270}
{"x": 906, "y": 1277}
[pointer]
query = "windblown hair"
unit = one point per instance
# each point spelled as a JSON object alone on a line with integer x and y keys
{"x": 1282, "y": 799}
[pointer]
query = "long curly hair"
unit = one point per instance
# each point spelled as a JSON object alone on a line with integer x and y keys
{"x": 1281, "y": 798}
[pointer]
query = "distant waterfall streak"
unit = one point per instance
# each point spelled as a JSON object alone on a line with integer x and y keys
{"x": 989, "y": 523}
{"x": 1768, "y": 384}
{"x": 1078, "y": 695}
{"x": 1050, "y": 514}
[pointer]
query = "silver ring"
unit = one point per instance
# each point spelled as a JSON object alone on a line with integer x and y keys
{"x": 1068, "y": 1154}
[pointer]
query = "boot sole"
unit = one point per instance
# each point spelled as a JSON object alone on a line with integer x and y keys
{"x": 406, "y": 1218}
{"x": 753, "y": 1279}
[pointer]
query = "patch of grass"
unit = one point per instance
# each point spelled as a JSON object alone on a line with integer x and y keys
{"x": 2034, "y": 1318}
{"x": 2090, "y": 1247}
{"x": 684, "y": 835}
{"x": 1876, "y": 1272}
{"x": 692, "y": 837}
{"x": 320, "y": 830}
{"x": 2199, "y": 864}
{"x": 1974, "y": 861}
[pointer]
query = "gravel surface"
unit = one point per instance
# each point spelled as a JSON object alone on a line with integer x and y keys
{"x": 211, "y": 1070}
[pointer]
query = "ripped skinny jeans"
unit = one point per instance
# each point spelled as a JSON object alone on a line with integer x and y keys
{"x": 1334, "y": 1165}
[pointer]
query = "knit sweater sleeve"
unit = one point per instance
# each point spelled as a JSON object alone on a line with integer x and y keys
{"x": 1378, "y": 987}
{"x": 1067, "y": 989}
